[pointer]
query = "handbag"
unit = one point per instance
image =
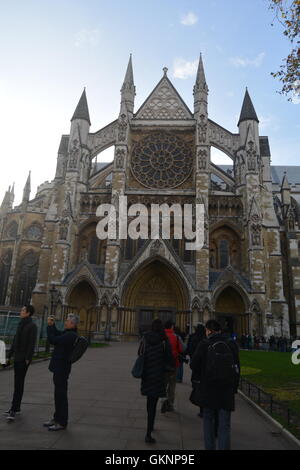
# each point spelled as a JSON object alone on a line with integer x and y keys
{"x": 138, "y": 367}
{"x": 195, "y": 397}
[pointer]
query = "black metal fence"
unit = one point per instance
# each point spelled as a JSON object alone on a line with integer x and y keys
{"x": 277, "y": 409}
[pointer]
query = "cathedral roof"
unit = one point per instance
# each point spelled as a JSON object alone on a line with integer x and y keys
{"x": 264, "y": 146}
{"x": 64, "y": 142}
{"x": 277, "y": 173}
{"x": 164, "y": 103}
{"x": 82, "y": 110}
{"x": 248, "y": 111}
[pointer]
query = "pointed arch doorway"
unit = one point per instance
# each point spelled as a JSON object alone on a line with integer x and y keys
{"x": 156, "y": 290}
{"x": 82, "y": 300}
{"x": 230, "y": 311}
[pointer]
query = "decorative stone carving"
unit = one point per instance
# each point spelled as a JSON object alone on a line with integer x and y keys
{"x": 164, "y": 103}
{"x": 34, "y": 232}
{"x": 255, "y": 228}
{"x": 120, "y": 158}
{"x": 202, "y": 129}
{"x": 222, "y": 138}
{"x": 291, "y": 220}
{"x": 63, "y": 229}
{"x": 122, "y": 127}
{"x": 12, "y": 230}
{"x": 6, "y": 260}
{"x": 251, "y": 157}
{"x": 74, "y": 154}
{"x": 202, "y": 159}
{"x": 67, "y": 209}
{"x": 156, "y": 248}
{"x": 161, "y": 160}
{"x": 85, "y": 203}
{"x": 103, "y": 138}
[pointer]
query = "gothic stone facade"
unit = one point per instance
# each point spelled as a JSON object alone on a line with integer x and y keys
{"x": 248, "y": 272}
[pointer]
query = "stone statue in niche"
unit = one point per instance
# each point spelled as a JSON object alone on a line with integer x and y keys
{"x": 122, "y": 127}
{"x": 73, "y": 154}
{"x": 255, "y": 231}
{"x": 120, "y": 156}
{"x": 202, "y": 159}
{"x": 202, "y": 129}
{"x": 252, "y": 158}
{"x": 212, "y": 260}
{"x": 291, "y": 221}
{"x": 63, "y": 229}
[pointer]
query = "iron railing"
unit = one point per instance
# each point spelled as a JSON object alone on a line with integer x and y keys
{"x": 277, "y": 409}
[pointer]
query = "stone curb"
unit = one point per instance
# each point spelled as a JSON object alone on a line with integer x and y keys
{"x": 33, "y": 362}
{"x": 287, "y": 434}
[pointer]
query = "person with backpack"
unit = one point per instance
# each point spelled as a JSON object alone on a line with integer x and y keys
{"x": 176, "y": 347}
{"x": 216, "y": 361}
{"x": 60, "y": 365}
{"x": 22, "y": 350}
{"x": 193, "y": 342}
{"x": 157, "y": 353}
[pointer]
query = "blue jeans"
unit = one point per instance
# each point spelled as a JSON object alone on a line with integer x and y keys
{"x": 216, "y": 424}
{"x": 179, "y": 375}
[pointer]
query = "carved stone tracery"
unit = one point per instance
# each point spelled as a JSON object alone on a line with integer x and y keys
{"x": 162, "y": 160}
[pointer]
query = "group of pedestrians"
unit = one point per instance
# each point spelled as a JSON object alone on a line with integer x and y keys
{"x": 214, "y": 360}
{"x": 22, "y": 350}
{"x": 273, "y": 343}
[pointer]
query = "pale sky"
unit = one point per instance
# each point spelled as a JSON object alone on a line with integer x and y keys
{"x": 51, "y": 49}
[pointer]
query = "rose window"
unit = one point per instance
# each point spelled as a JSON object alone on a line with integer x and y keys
{"x": 161, "y": 160}
{"x": 34, "y": 232}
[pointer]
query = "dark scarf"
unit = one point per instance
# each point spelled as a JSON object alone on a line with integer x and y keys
{"x": 21, "y": 325}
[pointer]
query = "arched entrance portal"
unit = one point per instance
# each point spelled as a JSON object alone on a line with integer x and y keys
{"x": 83, "y": 301}
{"x": 156, "y": 291}
{"x": 230, "y": 311}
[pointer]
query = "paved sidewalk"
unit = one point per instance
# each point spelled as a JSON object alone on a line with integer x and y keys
{"x": 108, "y": 412}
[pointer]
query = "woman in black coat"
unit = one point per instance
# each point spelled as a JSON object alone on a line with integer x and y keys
{"x": 157, "y": 359}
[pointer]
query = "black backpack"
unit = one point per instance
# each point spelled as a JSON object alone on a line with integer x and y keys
{"x": 79, "y": 347}
{"x": 220, "y": 366}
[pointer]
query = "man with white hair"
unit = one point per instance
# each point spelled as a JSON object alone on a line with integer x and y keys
{"x": 60, "y": 365}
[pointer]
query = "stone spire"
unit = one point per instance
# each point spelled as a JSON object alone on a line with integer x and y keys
{"x": 82, "y": 110}
{"x": 285, "y": 191}
{"x": 27, "y": 189}
{"x": 6, "y": 200}
{"x": 128, "y": 88}
{"x": 200, "y": 90}
{"x": 12, "y": 195}
{"x": 248, "y": 112}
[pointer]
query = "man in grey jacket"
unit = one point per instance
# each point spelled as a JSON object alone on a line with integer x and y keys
{"x": 21, "y": 350}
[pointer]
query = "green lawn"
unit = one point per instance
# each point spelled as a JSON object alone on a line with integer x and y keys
{"x": 275, "y": 373}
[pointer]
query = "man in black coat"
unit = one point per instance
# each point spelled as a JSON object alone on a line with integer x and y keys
{"x": 216, "y": 393}
{"x": 21, "y": 350}
{"x": 60, "y": 365}
{"x": 158, "y": 359}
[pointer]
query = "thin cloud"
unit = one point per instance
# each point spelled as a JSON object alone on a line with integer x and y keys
{"x": 296, "y": 92}
{"x": 245, "y": 62}
{"x": 270, "y": 123}
{"x": 189, "y": 19}
{"x": 184, "y": 69}
{"x": 87, "y": 37}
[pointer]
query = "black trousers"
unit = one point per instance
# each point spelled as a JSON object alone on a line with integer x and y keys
{"x": 151, "y": 411}
{"x": 20, "y": 373}
{"x": 61, "y": 398}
